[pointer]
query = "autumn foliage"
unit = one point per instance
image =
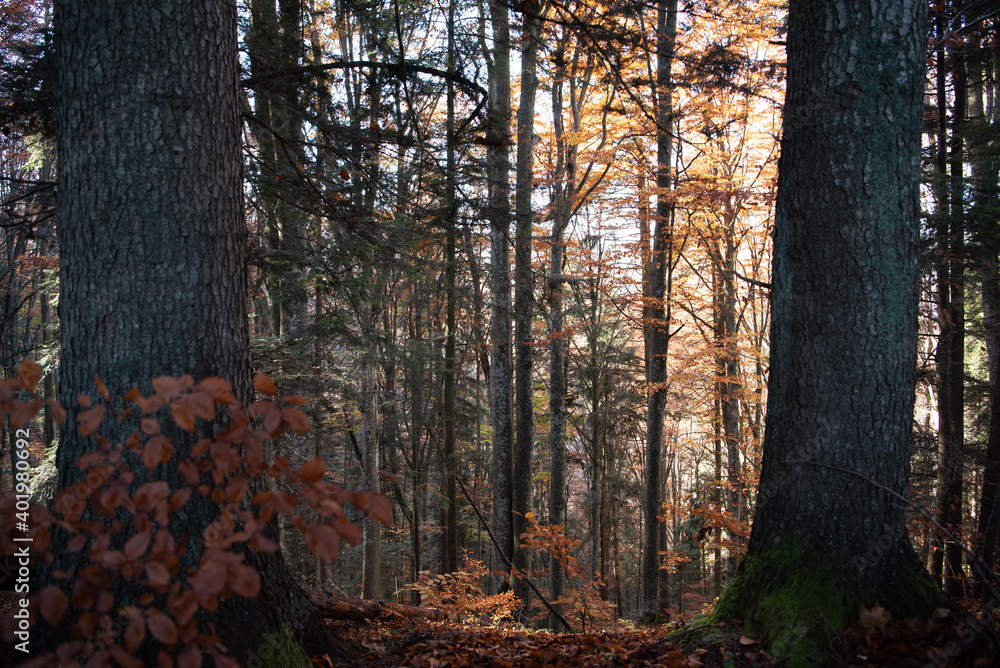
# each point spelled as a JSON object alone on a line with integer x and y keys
{"x": 120, "y": 527}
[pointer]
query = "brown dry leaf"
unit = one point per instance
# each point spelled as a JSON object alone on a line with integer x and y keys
{"x": 58, "y": 412}
{"x": 874, "y": 618}
{"x": 102, "y": 389}
{"x": 90, "y": 419}
{"x": 296, "y": 419}
{"x": 29, "y": 374}
{"x": 52, "y": 603}
{"x": 161, "y": 626}
{"x": 135, "y": 634}
{"x": 313, "y": 470}
{"x": 265, "y": 385}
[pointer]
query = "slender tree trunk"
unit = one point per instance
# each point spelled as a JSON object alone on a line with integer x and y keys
{"x": 557, "y": 341}
{"x": 371, "y": 568}
{"x": 656, "y": 321}
{"x": 730, "y": 402}
{"x": 524, "y": 299}
{"x": 449, "y": 561}
{"x": 498, "y": 170}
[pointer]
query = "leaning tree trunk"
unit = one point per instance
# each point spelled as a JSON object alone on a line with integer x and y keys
{"x": 152, "y": 242}
{"x": 829, "y": 535}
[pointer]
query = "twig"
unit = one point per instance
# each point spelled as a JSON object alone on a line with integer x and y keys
{"x": 835, "y": 634}
{"x": 514, "y": 570}
{"x": 503, "y": 556}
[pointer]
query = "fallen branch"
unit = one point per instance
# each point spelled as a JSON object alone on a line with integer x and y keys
{"x": 363, "y": 611}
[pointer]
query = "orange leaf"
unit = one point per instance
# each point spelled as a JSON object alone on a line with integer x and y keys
{"x": 149, "y": 426}
{"x": 379, "y": 508}
{"x": 295, "y": 400}
{"x": 52, "y": 603}
{"x": 157, "y": 573}
{"x": 265, "y": 385}
{"x": 58, "y": 412}
{"x": 90, "y": 419}
{"x": 182, "y": 417}
{"x": 29, "y": 374}
{"x": 23, "y": 412}
{"x": 161, "y": 627}
{"x": 313, "y": 470}
{"x": 244, "y": 580}
{"x": 324, "y": 540}
{"x": 296, "y": 419}
{"x": 123, "y": 657}
{"x": 179, "y": 498}
{"x": 183, "y": 606}
{"x": 133, "y": 394}
{"x": 388, "y": 475}
{"x": 102, "y": 389}
{"x": 158, "y": 450}
{"x": 236, "y": 488}
{"x": 135, "y": 634}
{"x": 190, "y": 657}
{"x": 137, "y": 544}
{"x": 83, "y": 400}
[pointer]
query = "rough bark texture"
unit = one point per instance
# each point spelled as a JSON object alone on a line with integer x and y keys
{"x": 557, "y": 342}
{"x": 498, "y": 170}
{"x": 828, "y": 534}
{"x": 656, "y": 323}
{"x": 524, "y": 298}
{"x": 153, "y": 244}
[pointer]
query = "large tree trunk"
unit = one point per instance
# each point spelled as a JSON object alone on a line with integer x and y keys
{"x": 152, "y": 244}
{"x": 829, "y": 535}
{"x": 656, "y": 323}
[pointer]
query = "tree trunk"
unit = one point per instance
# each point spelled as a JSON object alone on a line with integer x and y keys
{"x": 152, "y": 243}
{"x": 656, "y": 321}
{"x": 449, "y": 561}
{"x": 371, "y": 568}
{"x": 829, "y": 535}
{"x": 524, "y": 299}
{"x": 498, "y": 170}
{"x": 985, "y": 167}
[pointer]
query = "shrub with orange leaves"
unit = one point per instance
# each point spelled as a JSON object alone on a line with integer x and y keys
{"x": 582, "y": 599}
{"x": 146, "y": 556}
{"x": 460, "y": 595}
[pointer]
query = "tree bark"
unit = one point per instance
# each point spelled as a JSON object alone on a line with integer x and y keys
{"x": 153, "y": 268}
{"x": 828, "y": 534}
{"x": 498, "y": 171}
{"x": 656, "y": 320}
{"x": 524, "y": 298}
{"x": 557, "y": 340}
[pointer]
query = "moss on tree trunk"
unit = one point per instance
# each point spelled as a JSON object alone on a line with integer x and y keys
{"x": 797, "y": 598}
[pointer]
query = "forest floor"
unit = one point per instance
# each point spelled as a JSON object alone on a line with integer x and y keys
{"x": 873, "y": 640}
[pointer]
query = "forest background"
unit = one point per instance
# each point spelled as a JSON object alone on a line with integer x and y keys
{"x": 521, "y": 331}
